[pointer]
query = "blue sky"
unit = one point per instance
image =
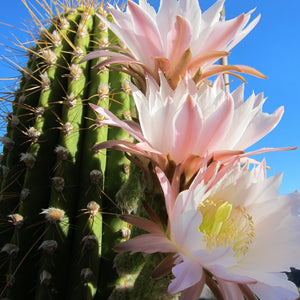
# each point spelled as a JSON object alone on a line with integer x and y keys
{"x": 273, "y": 48}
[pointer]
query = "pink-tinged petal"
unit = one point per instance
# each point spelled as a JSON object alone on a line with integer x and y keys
{"x": 143, "y": 223}
{"x": 206, "y": 57}
{"x": 245, "y": 31}
{"x": 146, "y": 243}
{"x": 263, "y": 291}
{"x": 166, "y": 187}
{"x": 223, "y": 33}
{"x": 250, "y": 71}
{"x": 184, "y": 230}
{"x": 164, "y": 267}
{"x": 187, "y": 274}
{"x": 178, "y": 39}
{"x": 217, "y": 125}
{"x": 193, "y": 292}
{"x": 146, "y": 29}
{"x": 115, "y": 121}
{"x": 267, "y": 150}
{"x": 187, "y": 124}
{"x": 125, "y": 147}
{"x": 260, "y": 126}
{"x": 230, "y": 290}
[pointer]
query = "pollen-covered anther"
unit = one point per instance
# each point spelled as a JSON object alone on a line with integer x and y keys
{"x": 27, "y": 73}
{"x": 226, "y": 225}
{"x": 62, "y": 152}
{"x": 16, "y": 219}
{"x": 53, "y": 215}
{"x": 103, "y": 90}
{"x": 81, "y": 31}
{"x": 90, "y": 242}
{"x": 56, "y": 38}
{"x": 49, "y": 57}
{"x": 64, "y": 23}
{"x": 7, "y": 142}
{"x": 86, "y": 275}
{"x": 75, "y": 71}
{"x": 5, "y": 171}
{"x": 78, "y": 52}
{"x": 70, "y": 100}
{"x": 125, "y": 231}
{"x": 12, "y": 250}
{"x": 49, "y": 246}
{"x": 67, "y": 128}
{"x": 96, "y": 177}
{"x": 46, "y": 82}
{"x": 59, "y": 183}
{"x": 93, "y": 208}
{"x": 24, "y": 194}
{"x": 28, "y": 159}
{"x": 126, "y": 87}
{"x": 33, "y": 134}
{"x": 45, "y": 278}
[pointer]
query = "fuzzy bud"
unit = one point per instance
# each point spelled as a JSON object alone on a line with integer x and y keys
{"x": 86, "y": 275}
{"x": 75, "y": 71}
{"x": 125, "y": 231}
{"x": 27, "y": 73}
{"x": 24, "y": 194}
{"x": 93, "y": 208}
{"x": 49, "y": 246}
{"x": 17, "y": 220}
{"x": 67, "y": 128}
{"x": 64, "y": 23}
{"x": 59, "y": 183}
{"x": 62, "y": 152}
{"x": 33, "y": 134}
{"x": 70, "y": 100}
{"x": 5, "y": 171}
{"x": 49, "y": 57}
{"x": 45, "y": 278}
{"x": 96, "y": 177}
{"x": 13, "y": 120}
{"x": 28, "y": 159}
{"x": 46, "y": 83}
{"x": 90, "y": 242}
{"x": 7, "y": 142}
{"x": 56, "y": 38}
{"x": 78, "y": 52}
{"x": 11, "y": 249}
{"x": 53, "y": 215}
{"x": 39, "y": 111}
{"x": 103, "y": 90}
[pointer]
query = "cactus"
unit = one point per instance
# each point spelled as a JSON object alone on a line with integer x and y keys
{"x": 59, "y": 200}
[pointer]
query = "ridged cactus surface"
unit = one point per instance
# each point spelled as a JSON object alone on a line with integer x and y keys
{"x": 59, "y": 200}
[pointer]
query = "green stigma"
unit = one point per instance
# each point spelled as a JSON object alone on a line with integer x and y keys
{"x": 226, "y": 225}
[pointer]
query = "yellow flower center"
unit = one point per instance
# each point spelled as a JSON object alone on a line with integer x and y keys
{"x": 225, "y": 225}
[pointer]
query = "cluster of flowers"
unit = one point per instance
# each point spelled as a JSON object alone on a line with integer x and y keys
{"x": 228, "y": 226}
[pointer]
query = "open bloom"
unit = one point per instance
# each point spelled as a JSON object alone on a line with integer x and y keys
{"x": 179, "y": 38}
{"x": 241, "y": 231}
{"x": 191, "y": 121}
